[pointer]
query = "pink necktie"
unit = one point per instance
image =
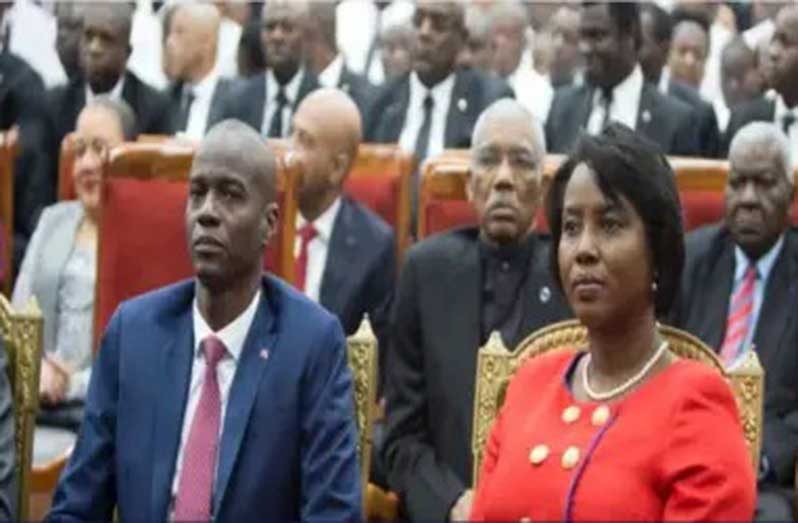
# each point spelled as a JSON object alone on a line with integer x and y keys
{"x": 195, "y": 487}
{"x": 738, "y": 322}
{"x": 306, "y": 234}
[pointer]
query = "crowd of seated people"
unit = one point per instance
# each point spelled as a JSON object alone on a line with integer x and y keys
{"x": 616, "y": 89}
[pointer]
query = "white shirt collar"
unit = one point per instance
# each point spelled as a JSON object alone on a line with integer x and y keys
{"x": 441, "y": 92}
{"x": 324, "y": 223}
{"x": 332, "y": 73}
{"x": 233, "y": 335}
{"x": 628, "y": 89}
{"x": 664, "y": 80}
{"x": 782, "y": 109}
{"x": 114, "y": 94}
{"x": 763, "y": 265}
{"x": 291, "y": 88}
{"x": 205, "y": 87}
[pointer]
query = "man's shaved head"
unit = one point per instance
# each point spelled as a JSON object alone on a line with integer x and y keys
{"x": 326, "y": 135}
{"x": 191, "y": 41}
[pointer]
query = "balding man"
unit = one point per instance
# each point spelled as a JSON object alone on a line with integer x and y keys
{"x": 267, "y": 101}
{"x": 346, "y": 258}
{"x": 226, "y": 397}
{"x": 455, "y": 290}
{"x": 104, "y": 51}
{"x": 739, "y": 293}
{"x": 189, "y": 61}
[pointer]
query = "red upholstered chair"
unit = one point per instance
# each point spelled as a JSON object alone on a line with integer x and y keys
{"x": 9, "y": 146}
{"x": 380, "y": 180}
{"x": 701, "y": 184}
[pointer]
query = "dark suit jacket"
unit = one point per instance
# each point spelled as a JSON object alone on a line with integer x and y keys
{"x": 247, "y": 100}
{"x": 359, "y": 88}
{"x": 701, "y": 309}
{"x": 759, "y": 110}
{"x": 152, "y": 108}
{"x": 288, "y": 446}
{"x": 662, "y": 119}
{"x": 708, "y": 132}
{"x": 473, "y": 92}
{"x": 224, "y": 86}
{"x": 8, "y": 508}
{"x": 21, "y": 94}
{"x": 435, "y": 336}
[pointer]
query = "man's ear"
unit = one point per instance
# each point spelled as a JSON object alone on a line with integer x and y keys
{"x": 270, "y": 220}
{"x": 341, "y": 164}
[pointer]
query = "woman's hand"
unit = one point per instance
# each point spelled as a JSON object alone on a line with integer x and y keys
{"x": 461, "y": 511}
{"x": 54, "y": 382}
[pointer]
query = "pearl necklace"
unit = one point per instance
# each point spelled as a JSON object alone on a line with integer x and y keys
{"x": 623, "y": 387}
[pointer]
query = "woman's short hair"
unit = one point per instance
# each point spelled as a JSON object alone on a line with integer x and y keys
{"x": 626, "y": 164}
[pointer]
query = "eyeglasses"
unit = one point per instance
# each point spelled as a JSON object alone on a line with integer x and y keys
{"x": 97, "y": 146}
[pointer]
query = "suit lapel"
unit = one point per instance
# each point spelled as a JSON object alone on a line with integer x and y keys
{"x": 646, "y": 113}
{"x": 466, "y": 304}
{"x": 713, "y": 299}
{"x": 177, "y": 359}
{"x": 394, "y": 118}
{"x": 342, "y": 263}
{"x": 778, "y": 303}
{"x": 262, "y": 336}
{"x": 130, "y": 94}
{"x": 309, "y": 83}
{"x": 214, "y": 112}
{"x": 456, "y": 133}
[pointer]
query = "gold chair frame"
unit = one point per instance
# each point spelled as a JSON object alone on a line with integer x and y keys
{"x": 496, "y": 365}
{"x": 22, "y": 336}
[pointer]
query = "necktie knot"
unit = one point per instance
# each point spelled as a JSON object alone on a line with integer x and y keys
{"x": 281, "y": 98}
{"x": 214, "y": 350}
{"x": 429, "y": 103}
{"x": 787, "y": 121}
{"x": 751, "y": 273}
{"x": 307, "y": 233}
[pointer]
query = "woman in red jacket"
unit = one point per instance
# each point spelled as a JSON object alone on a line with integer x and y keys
{"x": 623, "y": 431}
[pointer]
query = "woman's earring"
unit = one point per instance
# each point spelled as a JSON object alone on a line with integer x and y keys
{"x": 654, "y": 286}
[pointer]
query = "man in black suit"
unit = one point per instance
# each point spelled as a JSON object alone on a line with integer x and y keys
{"x": 267, "y": 101}
{"x": 657, "y": 30}
{"x": 69, "y": 28}
{"x": 739, "y": 292}
{"x": 436, "y": 105}
{"x": 21, "y": 92}
{"x": 455, "y": 290}
{"x": 615, "y": 88}
{"x": 192, "y": 33}
{"x": 346, "y": 259}
{"x": 329, "y": 64}
{"x": 783, "y": 108}
{"x": 104, "y": 51}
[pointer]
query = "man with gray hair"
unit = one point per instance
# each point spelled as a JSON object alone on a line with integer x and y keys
{"x": 456, "y": 288}
{"x": 739, "y": 294}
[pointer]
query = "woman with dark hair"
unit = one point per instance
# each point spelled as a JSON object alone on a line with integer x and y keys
{"x": 623, "y": 431}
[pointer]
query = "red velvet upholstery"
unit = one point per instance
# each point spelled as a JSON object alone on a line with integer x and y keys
{"x": 377, "y": 193}
{"x": 443, "y": 215}
{"x": 701, "y": 208}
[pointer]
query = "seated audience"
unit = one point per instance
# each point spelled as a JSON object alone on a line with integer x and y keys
{"x": 190, "y": 62}
{"x": 477, "y": 52}
{"x": 328, "y": 63}
{"x": 739, "y": 294}
{"x": 615, "y": 88}
{"x": 566, "y": 62}
{"x": 59, "y": 268}
{"x": 105, "y": 48}
{"x": 689, "y": 48}
{"x": 435, "y": 106}
{"x": 346, "y": 257}
{"x": 656, "y": 30}
{"x": 8, "y": 464}
{"x": 69, "y": 28}
{"x": 266, "y": 102}
{"x": 395, "y": 42}
{"x": 576, "y": 425}
{"x": 508, "y": 27}
{"x": 781, "y": 109}
{"x": 250, "y": 58}
{"x": 226, "y": 397}
{"x": 741, "y": 78}
{"x": 456, "y": 289}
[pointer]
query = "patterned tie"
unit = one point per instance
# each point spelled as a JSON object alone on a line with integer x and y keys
{"x": 195, "y": 487}
{"x": 306, "y": 234}
{"x": 738, "y": 322}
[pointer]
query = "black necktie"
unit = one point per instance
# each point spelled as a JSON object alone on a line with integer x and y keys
{"x": 186, "y": 101}
{"x": 786, "y": 122}
{"x": 606, "y": 101}
{"x": 276, "y": 126}
{"x": 422, "y": 140}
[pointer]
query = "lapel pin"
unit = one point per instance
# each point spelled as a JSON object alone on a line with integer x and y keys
{"x": 264, "y": 354}
{"x": 646, "y": 116}
{"x": 544, "y": 295}
{"x": 462, "y": 104}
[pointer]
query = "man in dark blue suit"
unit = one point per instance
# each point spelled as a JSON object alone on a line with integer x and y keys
{"x": 227, "y": 397}
{"x": 346, "y": 256}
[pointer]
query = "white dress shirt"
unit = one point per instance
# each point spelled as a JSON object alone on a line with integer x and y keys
{"x": 146, "y": 36}
{"x": 318, "y": 248}
{"x": 291, "y": 91}
{"x": 625, "y": 103}
{"x": 227, "y": 48}
{"x": 781, "y": 112}
{"x": 33, "y": 31}
{"x": 201, "y": 106}
{"x": 233, "y": 335}
{"x": 414, "y": 118}
{"x": 532, "y": 90}
{"x": 115, "y": 93}
{"x": 332, "y": 73}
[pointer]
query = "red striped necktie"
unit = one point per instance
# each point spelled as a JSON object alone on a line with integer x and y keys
{"x": 738, "y": 322}
{"x": 306, "y": 235}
